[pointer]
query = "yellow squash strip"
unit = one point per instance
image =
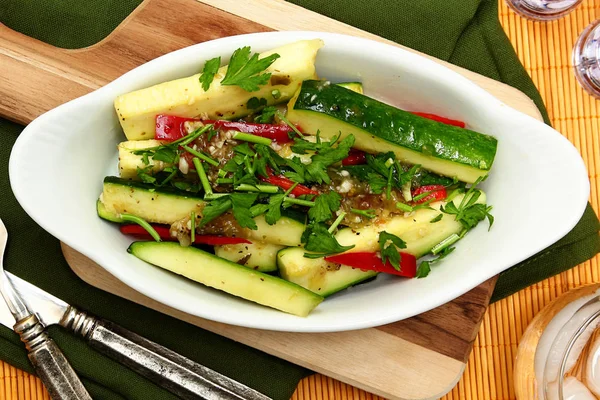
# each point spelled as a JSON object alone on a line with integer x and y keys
{"x": 186, "y": 98}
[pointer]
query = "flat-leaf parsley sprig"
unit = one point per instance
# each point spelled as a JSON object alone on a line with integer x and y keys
{"x": 469, "y": 213}
{"x": 244, "y": 70}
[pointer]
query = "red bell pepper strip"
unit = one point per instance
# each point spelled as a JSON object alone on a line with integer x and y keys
{"x": 443, "y": 120}
{"x": 286, "y": 183}
{"x": 438, "y": 192}
{"x": 276, "y": 132}
{"x": 170, "y": 127}
{"x": 355, "y": 157}
{"x": 372, "y": 262}
{"x": 165, "y": 234}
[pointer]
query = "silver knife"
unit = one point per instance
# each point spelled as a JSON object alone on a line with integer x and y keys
{"x": 165, "y": 367}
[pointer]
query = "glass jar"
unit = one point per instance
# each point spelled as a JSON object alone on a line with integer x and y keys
{"x": 559, "y": 354}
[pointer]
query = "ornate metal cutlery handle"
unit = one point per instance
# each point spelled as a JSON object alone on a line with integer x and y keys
{"x": 49, "y": 362}
{"x": 167, "y": 368}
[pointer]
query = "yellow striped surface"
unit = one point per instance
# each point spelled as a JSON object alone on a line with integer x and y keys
{"x": 545, "y": 50}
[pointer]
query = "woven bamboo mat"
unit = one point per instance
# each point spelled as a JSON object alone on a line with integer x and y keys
{"x": 545, "y": 50}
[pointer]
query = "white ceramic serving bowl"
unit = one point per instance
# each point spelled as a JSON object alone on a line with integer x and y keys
{"x": 538, "y": 185}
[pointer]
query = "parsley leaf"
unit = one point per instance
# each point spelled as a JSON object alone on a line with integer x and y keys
{"x": 208, "y": 72}
{"x": 215, "y": 208}
{"x": 245, "y": 71}
{"x": 320, "y": 241}
{"x": 366, "y": 174}
{"x": 143, "y": 174}
{"x": 388, "y": 246}
{"x": 267, "y": 115}
{"x": 425, "y": 266}
{"x": 327, "y": 156}
{"x": 274, "y": 212}
{"x": 437, "y": 218}
{"x": 469, "y": 213}
{"x": 325, "y": 205}
{"x": 471, "y": 216}
{"x": 166, "y": 153}
{"x": 299, "y": 172}
{"x": 378, "y": 162}
{"x": 267, "y": 156}
{"x": 423, "y": 270}
{"x": 244, "y": 149}
{"x": 242, "y": 202}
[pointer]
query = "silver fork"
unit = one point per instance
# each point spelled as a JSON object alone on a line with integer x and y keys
{"x": 49, "y": 362}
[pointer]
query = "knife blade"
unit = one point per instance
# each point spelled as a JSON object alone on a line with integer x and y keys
{"x": 181, "y": 376}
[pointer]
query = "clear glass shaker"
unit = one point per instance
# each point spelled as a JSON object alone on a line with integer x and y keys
{"x": 572, "y": 366}
{"x": 586, "y": 59}
{"x": 543, "y": 10}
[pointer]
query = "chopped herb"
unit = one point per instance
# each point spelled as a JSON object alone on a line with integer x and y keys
{"x": 425, "y": 267}
{"x": 388, "y": 247}
{"x": 242, "y": 202}
{"x": 276, "y": 94}
{"x": 143, "y": 174}
{"x": 208, "y": 72}
{"x": 244, "y": 149}
{"x": 245, "y": 70}
{"x": 437, "y": 219}
{"x": 275, "y": 202}
{"x": 423, "y": 270}
{"x": 244, "y": 187}
{"x": 193, "y": 227}
{"x": 299, "y": 172}
{"x": 255, "y": 103}
{"x": 166, "y": 154}
{"x": 388, "y": 188}
{"x": 258, "y": 209}
{"x": 267, "y": 115}
{"x": 337, "y": 221}
{"x": 425, "y": 205}
{"x": 404, "y": 207}
{"x": 299, "y": 202}
{"x": 172, "y": 173}
{"x": 321, "y": 242}
{"x": 370, "y": 214}
{"x": 211, "y": 134}
{"x": 202, "y": 175}
{"x": 379, "y": 162}
{"x": 201, "y": 156}
{"x": 325, "y": 205}
{"x": 215, "y": 208}
{"x": 317, "y": 169}
{"x": 449, "y": 241}
{"x": 469, "y": 213}
{"x": 274, "y": 209}
{"x": 141, "y": 222}
{"x": 247, "y": 137}
{"x": 425, "y": 194}
{"x": 288, "y": 123}
{"x": 268, "y": 156}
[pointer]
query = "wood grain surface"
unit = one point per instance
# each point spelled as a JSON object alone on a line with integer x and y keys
{"x": 430, "y": 348}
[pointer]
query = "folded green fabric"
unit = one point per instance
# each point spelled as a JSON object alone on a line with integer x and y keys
{"x": 464, "y": 32}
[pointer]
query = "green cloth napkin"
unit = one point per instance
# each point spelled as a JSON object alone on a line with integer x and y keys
{"x": 464, "y": 32}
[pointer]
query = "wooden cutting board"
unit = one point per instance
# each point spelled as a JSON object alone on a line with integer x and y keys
{"x": 419, "y": 358}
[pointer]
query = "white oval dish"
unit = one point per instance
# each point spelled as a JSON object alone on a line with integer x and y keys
{"x": 538, "y": 186}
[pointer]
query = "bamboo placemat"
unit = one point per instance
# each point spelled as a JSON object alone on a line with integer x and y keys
{"x": 545, "y": 50}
